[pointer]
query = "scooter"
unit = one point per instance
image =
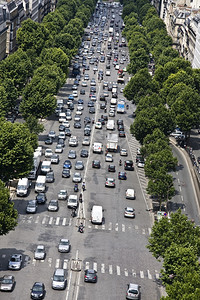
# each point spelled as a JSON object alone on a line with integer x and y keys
{"x": 120, "y": 162}
{"x": 80, "y": 198}
{"x": 76, "y": 187}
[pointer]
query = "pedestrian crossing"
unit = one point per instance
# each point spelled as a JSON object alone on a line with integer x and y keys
{"x": 106, "y": 269}
{"x": 63, "y": 221}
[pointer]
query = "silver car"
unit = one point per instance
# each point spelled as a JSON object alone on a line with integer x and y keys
{"x": 79, "y": 165}
{"x": 62, "y": 195}
{"x": 7, "y": 283}
{"x": 55, "y": 159}
{"x": 15, "y": 262}
{"x": 77, "y": 177}
{"x": 40, "y": 252}
{"x": 64, "y": 245}
{"x": 31, "y": 207}
{"x": 53, "y": 205}
{"x": 133, "y": 291}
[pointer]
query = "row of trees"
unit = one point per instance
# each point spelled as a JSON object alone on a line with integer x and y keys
{"x": 168, "y": 99}
{"x": 36, "y": 71}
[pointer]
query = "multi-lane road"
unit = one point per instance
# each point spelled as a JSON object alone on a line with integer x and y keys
{"x": 117, "y": 248}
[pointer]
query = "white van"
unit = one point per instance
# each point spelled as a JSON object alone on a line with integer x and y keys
{"x": 22, "y": 187}
{"x": 46, "y": 166}
{"x": 97, "y": 147}
{"x": 62, "y": 117}
{"x": 72, "y": 201}
{"x": 97, "y": 214}
{"x": 110, "y": 125}
{"x": 40, "y": 185}
{"x": 113, "y": 101}
{"x": 114, "y": 90}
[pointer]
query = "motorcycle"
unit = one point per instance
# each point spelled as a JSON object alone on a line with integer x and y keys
{"x": 81, "y": 228}
{"x": 83, "y": 187}
{"x": 73, "y": 214}
{"x": 76, "y": 187}
{"x": 80, "y": 198}
{"x": 120, "y": 162}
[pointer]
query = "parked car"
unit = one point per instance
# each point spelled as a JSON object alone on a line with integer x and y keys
{"x": 41, "y": 198}
{"x": 15, "y": 262}
{"x": 31, "y": 207}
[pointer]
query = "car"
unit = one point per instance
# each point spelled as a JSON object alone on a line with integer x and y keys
{"x": 80, "y": 107}
{"x": 48, "y": 141}
{"x": 178, "y": 135}
{"x": 79, "y": 165}
{"x": 138, "y": 157}
{"x": 102, "y": 106}
{"x": 123, "y": 152}
{"x": 122, "y": 175}
{"x": 90, "y": 104}
{"x": 90, "y": 275}
{"x": 96, "y": 164}
{"x": 98, "y": 125}
{"x": 111, "y": 168}
{"x": 67, "y": 164}
{"x": 31, "y": 207}
{"x": 121, "y": 127}
{"x": 50, "y": 177}
{"x": 108, "y": 73}
{"x": 141, "y": 163}
{"x": 53, "y": 205}
{"x": 62, "y": 127}
{"x": 128, "y": 165}
{"x": 61, "y": 142}
{"x": 41, "y": 198}
{"x": 86, "y": 141}
{"x": 71, "y": 107}
{"x": 120, "y": 122}
{"x": 59, "y": 281}
{"x": 73, "y": 141}
{"x": 62, "y": 195}
{"x": 111, "y": 113}
{"x": 133, "y": 291}
{"x": 59, "y": 149}
{"x": 87, "y": 120}
{"x": 64, "y": 245}
{"x": 78, "y": 112}
{"x": 93, "y": 89}
{"x": 55, "y": 159}
{"x": 84, "y": 84}
{"x": 15, "y": 262}
{"x": 62, "y": 135}
{"x": 38, "y": 291}
{"x": 198, "y": 159}
{"x": 109, "y": 157}
{"x": 40, "y": 252}
{"x": 102, "y": 121}
{"x": 52, "y": 134}
{"x": 65, "y": 173}
{"x": 74, "y": 87}
{"x": 84, "y": 153}
{"x": 110, "y": 182}
{"x": 129, "y": 212}
{"x": 92, "y": 110}
{"x": 87, "y": 132}
{"x": 80, "y": 101}
{"x": 77, "y": 177}
{"x": 72, "y": 154}
{"x": 72, "y": 201}
{"x": 77, "y": 118}
{"x": 48, "y": 152}
{"x": 7, "y": 283}
{"x": 77, "y": 125}
{"x": 130, "y": 194}
{"x": 122, "y": 133}
{"x": 75, "y": 94}
{"x": 68, "y": 132}
{"x": 93, "y": 98}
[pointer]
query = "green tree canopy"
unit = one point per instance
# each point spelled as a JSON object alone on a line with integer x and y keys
{"x": 55, "y": 55}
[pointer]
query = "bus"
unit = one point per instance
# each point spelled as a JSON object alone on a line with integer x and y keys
{"x": 120, "y": 107}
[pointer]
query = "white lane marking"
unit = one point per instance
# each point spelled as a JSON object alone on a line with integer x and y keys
{"x": 51, "y": 220}
{"x": 70, "y": 221}
{"x": 118, "y": 270}
{"x": 57, "y": 220}
{"x": 178, "y": 181}
{"x": 181, "y": 197}
{"x": 123, "y": 228}
{"x": 149, "y": 275}
{"x": 50, "y": 261}
{"x": 89, "y": 226}
{"x": 95, "y": 266}
{"x": 44, "y": 220}
{"x": 103, "y": 227}
{"x": 133, "y": 273}
{"x": 64, "y": 221}
{"x": 87, "y": 265}
{"x": 180, "y": 188}
{"x": 143, "y": 231}
{"x": 76, "y": 254}
{"x": 110, "y": 226}
{"x": 77, "y": 286}
{"x": 141, "y": 274}
{"x": 102, "y": 268}
{"x": 65, "y": 263}
{"x": 34, "y": 261}
{"x": 126, "y": 272}
{"x": 37, "y": 219}
{"x": 68, "y": 286}
{"x": 149, "y": 229}
{"x": 57, "y": 263}
{"x": 110, "y": 269}
{"x": 116, "y": 227}
{"x": 157, "y": 274}
{"x": 136, "y": 227}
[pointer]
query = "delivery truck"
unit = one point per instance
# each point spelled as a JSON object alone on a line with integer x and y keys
{"x": 112, "y": 142}
{"x": 36, "y": 164}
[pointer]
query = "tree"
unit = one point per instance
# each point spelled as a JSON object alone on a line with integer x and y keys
{"x": 127, "y": 9}
{"x": 33, "y": 125}
{"x": 166, "y": 56}
{"x": 16, "y": 148}
{"x": 178, "y": 229}
{"x": 65, "y": 41}
{"x": 11, "y": 93}
{"x": 138, "y": 60}
{"x": 8, "y": 215}
{"x": 4, "y": 104}
{"x": 154, "y": 23}
{"x": 142, "y": 126}
{"x": 55, "y": 55}
{"x": 54, "y": 22}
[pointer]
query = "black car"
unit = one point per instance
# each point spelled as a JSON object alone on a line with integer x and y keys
{"x": 61, "y": 142}
{"x": 108, "y": 66}
{"x": 68, "y": 132}
{"x": 128, "y": 165}
{"x": 105, "y": 117}
{"x": 71, "y": 106}
{"x": 41, "y": 198}
{"x": 48, "y": 141}
{"x": 111, "y": 168}
{"x": 90, "y": 276}
{"x": 122, "y": 175}
{"x": 102, "y": 121}
{"x": 90, "y": 104}
{"x": 92, "y": 110}
{"x": 61, "y": 127}
{"x": 87, "y": 120}
{"x": 50, "y": 177}
{"x": 38, "y": 291}
{"x": 80, "y": 101}
{"x": 82, "y": 92}
{"x": 93, "y": 89}
{"x": 77, "y": 125}
{"x": 122, "y": 134}
{"x": 120, "y": 122}
{"x": 66, "y": 173}
{"x": 67, "y": 164}
{"x": 87, "y": 132}
{"x": 138, "y": 157}
{"x": 96, "y": 164}
{"x": 84, "y": 153}
{"x": 102, "y": 106}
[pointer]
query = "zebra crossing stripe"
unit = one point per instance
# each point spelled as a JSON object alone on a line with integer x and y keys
{"x": 57, "y": 220}
{"x": 149, "y": 229}
{"x": 157, "y": 275}
{"x": 44, "y": 220}
{"x": 34, "y": 261}
{"x": 133, "y": 273}
{"x": 143, "y": 231}
{"x": 96, "y": 226}
{"x": 110, "y": 269}
{"x": 49, "y": 261}
{"x": 149, "y": 275}
{"x": 110, "y": 226}
{"x": 118, "y": 270}
{"x": 116, "y": 227}
{"x": 136, "y": 227}
{"x": 95, "y": 266}
{"x": 123, "y": 228}
{"x": 126, "y": 272}
{"x": 141, "y": 274}
{"x": 65, "y": 263}
{"x": 87, "y": 266}
{"x": 51, "y": 220}
{"x": 37, "y": 219}
{"x": 57, "y": 263}
{"x": 64, "y": 221}
{"x": 103, "y": 227}
{"x": 102, "y": 268}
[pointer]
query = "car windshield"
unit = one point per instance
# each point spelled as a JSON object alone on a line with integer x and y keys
{"x": 7, "y": 281}
{"x": 64, "y": 242}
{"x": 129, "y": 209}
{"x": 58, "y": 278}
{"x": 16, "y": 259}
{"x": 21, "y": 187}
{"x": 73, "y": 200}
{"x": 40, "y": 250}
{"x": 37, "y": 288}
{"x": 135, "y": 292}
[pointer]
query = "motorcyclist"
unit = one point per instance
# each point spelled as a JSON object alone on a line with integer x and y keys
{"x": 73, "y": 212}
{"x": 80, "y": 198}
{"x": 83, "y": 186}
{"x": 120, "y": 162}
{"x": 127, "y": 106}
{"x": 76, "y": 187}
{"x": 80, "y": 228}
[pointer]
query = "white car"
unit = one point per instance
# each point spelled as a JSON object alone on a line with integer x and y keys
{"x": 64, "y": 245}
{"x": 93, "y": 98}
{"x": 40, "y": 252}
{"x": 75, "y": 93}
{"x": 73, "y": 141}
{"x": 130, "y": 194}
{"x": 66, "y": 124}
{"x": 80, "y": 107}
{"x": 123, "y": 152}
{"x": 48, "y": 153}
{"x": 111, "y": 113}
{"x": 117, "y": 67}
{"x": 62, "y": 195}
{"x": 59, "y": 149}
{"x": 109, "y": 157}
{"x": 141, "y": 163}
{"x": 129, "y": 212}
{"x": 107, "y": 73}
{"x": 62, "y": 135}
{"x": 86, "y": 142}
{"x": 77, "y": 177}
{"x": 79, "y": 112}
{"x": 84, "y": 84}
{"x": 52, "y": 134}
{"x": 98, "y": 125}
{"x": 72, "y": 201}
